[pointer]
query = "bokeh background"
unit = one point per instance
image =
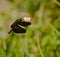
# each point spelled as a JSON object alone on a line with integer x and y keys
{"x": 42, "y": 38}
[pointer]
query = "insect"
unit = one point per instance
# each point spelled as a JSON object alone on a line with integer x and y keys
{"x": 19, "y": 26}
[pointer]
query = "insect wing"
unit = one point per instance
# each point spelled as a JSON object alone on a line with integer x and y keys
{"x": 25, "y": 23}
{"x": 18, "y": 29}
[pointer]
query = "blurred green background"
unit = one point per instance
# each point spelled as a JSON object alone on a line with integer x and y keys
{"x": 42, "y": 38}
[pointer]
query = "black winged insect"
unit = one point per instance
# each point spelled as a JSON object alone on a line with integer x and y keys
{"x": 19, "y": 26}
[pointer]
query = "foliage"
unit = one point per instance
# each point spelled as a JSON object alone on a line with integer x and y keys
{"x": 42, "y": 38}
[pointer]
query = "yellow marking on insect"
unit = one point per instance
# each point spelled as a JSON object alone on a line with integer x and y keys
{"x": 27, "y": 19}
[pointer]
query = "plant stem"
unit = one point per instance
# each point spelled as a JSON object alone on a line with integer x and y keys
{"x": 39, "y": 47}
